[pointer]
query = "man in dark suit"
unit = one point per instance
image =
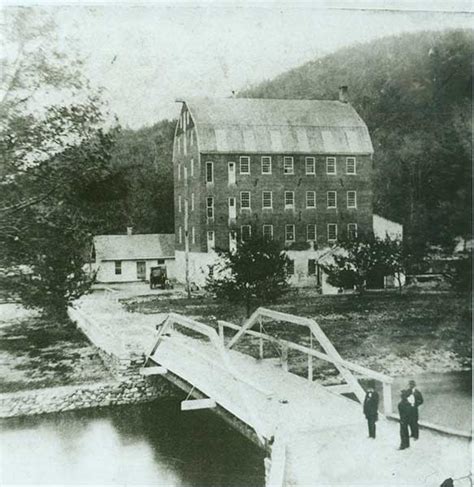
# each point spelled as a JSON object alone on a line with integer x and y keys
{"x": 405, "y": 412}
{"x": 415, "y": 399}
{"x": 371, "y": 405}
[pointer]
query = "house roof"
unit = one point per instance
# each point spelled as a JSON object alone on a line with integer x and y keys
{"x": 278, "y": 126}
{"x": 133, "y": 247}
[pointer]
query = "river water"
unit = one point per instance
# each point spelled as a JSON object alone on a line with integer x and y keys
{"x": 158, "y": 444}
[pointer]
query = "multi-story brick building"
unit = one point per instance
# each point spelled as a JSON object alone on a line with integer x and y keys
{"x": 299, "y": 171}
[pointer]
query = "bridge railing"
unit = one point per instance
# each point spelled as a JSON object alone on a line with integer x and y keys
{"x": 346, "y": 368}
{"x": 174, "y": 320}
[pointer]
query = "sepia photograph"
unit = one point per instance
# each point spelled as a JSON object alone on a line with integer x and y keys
{"x": 236, "y": 243}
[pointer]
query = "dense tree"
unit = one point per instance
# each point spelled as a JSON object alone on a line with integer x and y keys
{"x": 414, "y": 92}
{"x": 56, "y": 185}
{"x": 255, "y": 272}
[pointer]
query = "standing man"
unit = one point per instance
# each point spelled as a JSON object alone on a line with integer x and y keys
{"x": 371, "y": 405}
{"x": 405, "y": 412}
{"x": 415, "y": 399}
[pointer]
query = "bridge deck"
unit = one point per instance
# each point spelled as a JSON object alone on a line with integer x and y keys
{"x": 325, "y": 433}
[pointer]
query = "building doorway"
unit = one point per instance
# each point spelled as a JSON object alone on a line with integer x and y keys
{"x": 141, "y": 270}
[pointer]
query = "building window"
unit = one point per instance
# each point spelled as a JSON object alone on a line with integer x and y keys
{"x": 245, "y": 165}
{"x": 180, "y": 235}
{"x": 192, "y": 166}
{"x": 310, "y": 165}
{"x": 209, "y": 172}
{"x": 332, "y": 232}
{"x": 288, "y": 165}
{"x": 289, "y": 200}
{"x": 332, "y": 199}
{"x": 351, "y": 199}
{"x": 192, "y": 201}
{"x": 310, "y": 199}
{"x": 268, "y": 232}
{"x": 267, "y": 200}
{"x": 245, "y": 232}
{"x": 118, "y": 267}
{"x": 193, "y": 234}
{"x": 311, "y": 232}
{"x": 289, "y": 233}
{"x": 311, "y": 267}
{"x": 291, "y": 267}
{"x": 231, "y": 172}
{"x": 245, "y": 200}
{"x": 191, "y": 138}
{"x": 179, "y": 171}
{"x": 331, "y": 165}
{"x": 350, "y": 165}
{"x": 266, "y": 165}
{"x": 210, "y": 207}
{"x": 352, "y": 230}
{"x": 210, "y": 240}
{"x": 179, "y": 203}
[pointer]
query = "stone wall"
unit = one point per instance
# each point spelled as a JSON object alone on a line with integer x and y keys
{"x": 82, "y": 396}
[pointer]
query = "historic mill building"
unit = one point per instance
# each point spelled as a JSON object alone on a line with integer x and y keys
{"x": 298, "y": 171}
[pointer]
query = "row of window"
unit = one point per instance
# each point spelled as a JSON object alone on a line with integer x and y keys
{"x": 267, "y": 231}
{"x": 267, "y": 201}
{"x": 141, "y": 267}
{"x": 288, "y": 166}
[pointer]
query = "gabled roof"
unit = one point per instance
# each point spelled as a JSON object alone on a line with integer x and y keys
{"x": 278, "y": 126}
{"x": 133, "y": 247}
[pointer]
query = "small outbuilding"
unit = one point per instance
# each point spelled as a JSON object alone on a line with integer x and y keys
{"x": 128, "y": 258}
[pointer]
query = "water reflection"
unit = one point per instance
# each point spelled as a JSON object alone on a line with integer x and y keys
{"x": 154, "y": 443}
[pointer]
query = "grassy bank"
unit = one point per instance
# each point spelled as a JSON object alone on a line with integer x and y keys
{"x": 396, "y": 334}
{"x": 37, "y": 352}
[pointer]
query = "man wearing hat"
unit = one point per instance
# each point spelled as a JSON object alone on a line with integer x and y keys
{"x": 405, "y": 412}
{"x": 371, "y": 405}
{"x": 415, "y": 399}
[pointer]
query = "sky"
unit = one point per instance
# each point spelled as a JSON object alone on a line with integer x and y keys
{"x": 146, "y": 55}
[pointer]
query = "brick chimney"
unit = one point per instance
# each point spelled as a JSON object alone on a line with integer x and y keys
{"x": 343, "y": 96}
{"x": 129, "y": 230}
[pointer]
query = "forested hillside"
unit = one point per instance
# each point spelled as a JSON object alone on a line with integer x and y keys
{"x": 144, "y": 160}
{"x": 414, "y": 92}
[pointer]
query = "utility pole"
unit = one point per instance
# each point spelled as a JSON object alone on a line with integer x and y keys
{"x": 186, "y": 234}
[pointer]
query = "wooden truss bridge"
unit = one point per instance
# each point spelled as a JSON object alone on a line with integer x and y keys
{"x": 313, "y": 434}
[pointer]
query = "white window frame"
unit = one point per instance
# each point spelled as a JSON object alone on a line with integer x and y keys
{"x": 242, "y": 232}
{"x": 179, "y": 171}
{"x": 247, "y": 159}
{"x": 192, "y": 167}
{"x": 249, "y": 207}
{"x": 354, "y": 160}
{"x": 290, "y": 226}
{"x": 193, "y": 235}
{"x": 180, "y": 235}
{"x": 231, "y": 175}
{"x": 191, "y": 138}
{"x": 335, "y": 200}
{"x": 292, "y": 205}
{"x": 313, "y": 227}
{"x": 268, "y": 226}
{"x": 210, "y": 207}
{"x": 313, "y": 161}
{"x": 355, "y": 199}
{"x": 179, "y": 203}
{"x": 118, "y": 267}
{"x": 335, "y": 228}
{"x": 213, "y": 239}
{"x": 211, "y": 165}
{"x": 331, "y": 160}
{"x": 288, "y": 159}
{"x": 313, "y": 193}
{"x": 266, "y": 160}
{"x": 263, "y": 200}
{"x": 192, "y": 201}
{"x": 353, "y": 225}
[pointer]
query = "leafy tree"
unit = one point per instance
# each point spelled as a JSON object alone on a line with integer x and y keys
{"x": 256, "y": 271}
{"x": 356, "y": 260}
{"x": 57, "y": 185}
{"x": 459, "y": 273}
